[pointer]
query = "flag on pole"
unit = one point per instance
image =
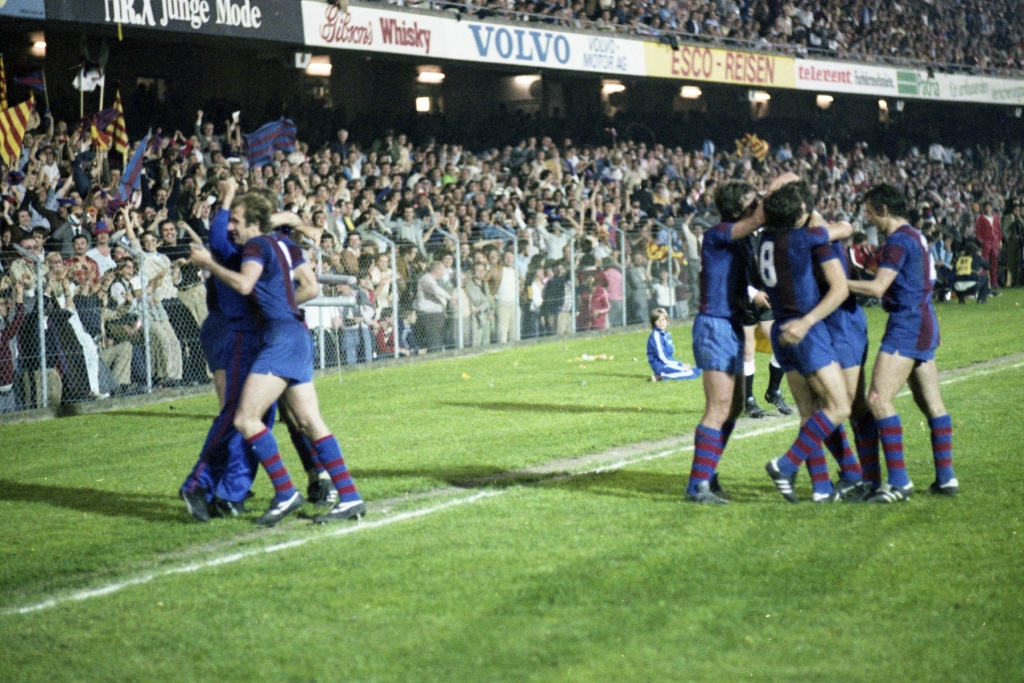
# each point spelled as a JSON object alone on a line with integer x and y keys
{"x": 89, "y": 79}
{"x": 132, "y": 175}
{"x": 3, "y": 85}
{"x": 32, "y": 80}
{"x": 276, "y": 135}
{"x": 102, "y": 128}
{"x": 13, "y": 124}
{"x": 120, "y": 130}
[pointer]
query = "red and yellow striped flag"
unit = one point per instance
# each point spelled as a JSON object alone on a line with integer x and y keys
{"x": 13, "y": 124}
{"x": 3, "y": 84}
{"x": 120, "y": 131}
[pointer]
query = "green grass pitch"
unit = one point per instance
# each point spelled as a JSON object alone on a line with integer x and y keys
{"x": 527, "y": 523}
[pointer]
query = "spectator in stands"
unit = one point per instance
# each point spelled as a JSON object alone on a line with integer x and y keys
{"x": 988, "y": 231}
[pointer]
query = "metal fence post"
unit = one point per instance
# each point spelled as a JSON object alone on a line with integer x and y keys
{"x": 515, "y": 254}
{"x": 144, "y": 281}
{"x": 572, "y": 271}
{"x": 394, "y": 282}
{"x": 458, "y": 281}
{"x": 320, "y": 312}
{"x": 673, "y": 313}
{"x": 41, "y": 327}
{"x": 622, "y": 266}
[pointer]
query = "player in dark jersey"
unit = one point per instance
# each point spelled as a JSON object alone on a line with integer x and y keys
{"x": 718, "y": 332}
{"x": 804, "y": 349}
{"x": 283, "y": 366}
{"x": 759, "y": 314}
{"x": 904, "y": 282}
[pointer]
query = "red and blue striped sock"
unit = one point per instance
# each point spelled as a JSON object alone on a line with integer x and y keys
{"x": 942, "y": 447}
{"x": 707, "y": 451}
{"x": 328, "y": 452}
{"x": 817, "y": 465}
{"x": 865, "y": 434}
{"x": 814, "y": 431}
{"x": 264, "y": 447}
{"x": 890, "y": 432}
{"x": 839, "y": 446}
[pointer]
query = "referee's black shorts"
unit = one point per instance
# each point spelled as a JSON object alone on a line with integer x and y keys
{"x": 755, "y": 314}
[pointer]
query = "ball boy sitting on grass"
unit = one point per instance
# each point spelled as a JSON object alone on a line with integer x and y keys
{"x": 660, "y": 351}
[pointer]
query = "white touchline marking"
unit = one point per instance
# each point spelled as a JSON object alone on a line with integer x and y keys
{"x": 366, "y": 526}
{"x": 235, "y": 557}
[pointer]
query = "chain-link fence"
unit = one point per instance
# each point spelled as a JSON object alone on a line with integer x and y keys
{"x": 81, "y": 329}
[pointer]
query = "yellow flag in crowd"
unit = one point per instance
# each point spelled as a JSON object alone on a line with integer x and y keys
{"x": 758, "y": 147}
{"x": 13, "y": 124}
{"x": 120, "y": 130}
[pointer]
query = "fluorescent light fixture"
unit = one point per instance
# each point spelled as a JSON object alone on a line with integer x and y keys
{"x": 423, "y": 104}
{"x": 319, "y": 66}
{"x": 429, "y": 73}
{"x": 883, "y": 105}
{"x": 609, "y": 87}
{"x": 824, "y": 101}
{"x": 690, "y": 92}
{"x": 758, "y": 96}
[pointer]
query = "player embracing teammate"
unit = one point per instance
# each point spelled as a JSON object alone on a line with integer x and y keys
{"x": 820, "y": 340}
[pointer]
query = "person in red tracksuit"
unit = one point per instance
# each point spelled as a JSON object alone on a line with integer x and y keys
{"x": 989, "y": 232}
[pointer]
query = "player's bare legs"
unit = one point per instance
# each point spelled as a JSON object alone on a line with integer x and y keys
{"x": 723, "y": 393}
{"x": 305, "y": 409}
{"x": 823, "y": 391}
{"x": 890, "y": 374}
{"x": 924, "y": 386}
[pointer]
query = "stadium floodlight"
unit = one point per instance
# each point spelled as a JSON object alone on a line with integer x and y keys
{"x": 824, "y": 101}
{"x": 690, "y": 92}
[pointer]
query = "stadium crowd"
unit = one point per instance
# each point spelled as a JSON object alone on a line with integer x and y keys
{"x": 971, "y": 36}
{"x": 551, "y": 200}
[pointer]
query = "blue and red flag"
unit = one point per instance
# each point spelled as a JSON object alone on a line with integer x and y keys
{"x": 276, "y": 135}
{"x": 32, "y": 80}
{"x": 130, "y": 179}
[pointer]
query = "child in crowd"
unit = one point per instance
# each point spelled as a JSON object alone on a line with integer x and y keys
{"x": 660, "y": 351}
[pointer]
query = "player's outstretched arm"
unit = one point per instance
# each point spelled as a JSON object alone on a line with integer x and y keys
{"x": 874, "y": 288}
{"x": 794, "y": 331}
{"x": 838, "y": 231}
{"x": 242, "y": 282}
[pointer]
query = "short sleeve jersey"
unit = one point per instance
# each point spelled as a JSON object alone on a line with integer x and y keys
{"x": 274, "y": 293}
{"x": 834, "y": 250}
{"x": 906, "y": 252}
{"x": 785, "y": 262}
{"x": 723, "y": 274}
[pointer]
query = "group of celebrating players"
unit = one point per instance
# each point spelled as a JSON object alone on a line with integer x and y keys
{"x": 261, "y": 353}
{"x": 819, "y": 339}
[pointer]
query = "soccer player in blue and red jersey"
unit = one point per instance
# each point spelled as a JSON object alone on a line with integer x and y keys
{"x": 283, "y": 365}
{"x": 786, "y": 264}
{"x": 904, "y": 282}
{"x": 718, "y": 332}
